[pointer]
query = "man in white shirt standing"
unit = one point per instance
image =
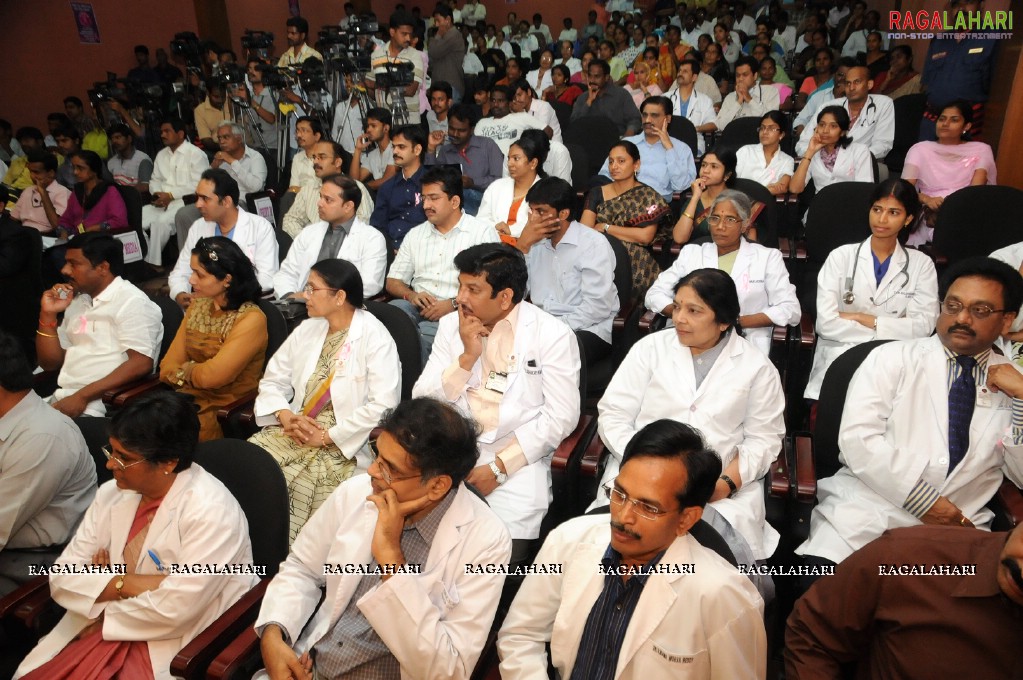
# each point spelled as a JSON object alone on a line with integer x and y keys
{"x": 398, "y": 49}
{"x": 176, "y": 171}
{"x": 750, "y": 97}
{"x": 111, "y": 330}
{"x": 571, "y": 267}
{"x": 339, "y": 234}
{"x": 423, "y": 274}
{"x": 217, "y": 201}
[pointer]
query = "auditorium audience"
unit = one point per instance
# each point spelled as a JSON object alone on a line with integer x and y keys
{"x": 832, "y": 155}
{"x": 717, "y": 172}
{"x": 327, "y": 160}
{"x": 504, "y": 205}
{"x": 41, "y": 204}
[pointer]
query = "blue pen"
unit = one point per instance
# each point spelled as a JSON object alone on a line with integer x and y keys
{"x": 156, "y": 560}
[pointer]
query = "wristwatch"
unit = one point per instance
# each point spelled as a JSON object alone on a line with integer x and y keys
{"x": 732, "y": 489}
{"x": 501, "y": 477}
{"x": 118, "y": 585}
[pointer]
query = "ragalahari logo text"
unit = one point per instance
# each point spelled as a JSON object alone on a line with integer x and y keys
{"x": 925, "y": 25}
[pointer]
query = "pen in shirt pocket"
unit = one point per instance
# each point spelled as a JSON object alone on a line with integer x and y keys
{"x": 156, "y": 561}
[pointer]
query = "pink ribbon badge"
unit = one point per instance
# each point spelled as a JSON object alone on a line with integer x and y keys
{"x": 83, "y": 325}
{"x": 651, "y": 210}
{"x": 342, "y": 356}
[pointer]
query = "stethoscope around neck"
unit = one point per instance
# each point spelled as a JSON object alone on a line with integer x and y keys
{"x": 849, "y": 297}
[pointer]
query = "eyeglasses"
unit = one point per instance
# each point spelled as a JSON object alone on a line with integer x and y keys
{"x": 309, "y": 290}
{"x": 644, "y": 510}
{"x": 765, "y": 128}
{"x": 384, "y": 472}
{"x": 110, "y": 456}
{"x": 714, "y": 220}
{"x": 954, "y": 307}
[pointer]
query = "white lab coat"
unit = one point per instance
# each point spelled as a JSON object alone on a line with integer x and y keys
{"x": 852, "y": 165}
{"x": 760, "y": 277}
{"x": 1013, "y": 256}
{"x": 908, "y": 303}
{"x": 497, "y": 200}
{"x": 703, "y": 625}
{"x": 253, "y": 234}
{"x": 874, "y": 128}
{"x": 894, "y": 433}
{"x": 539, "y": 409}
{"x": 366, "y": 383}
{"x": 738, "y": 408}
{"x": 435, "y": 623}
{"x": 198, "y": 522}
{"x": 365, "y": 247}
{"x": 699, "y": 112}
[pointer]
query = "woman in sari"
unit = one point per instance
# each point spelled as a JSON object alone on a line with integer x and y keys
{"x": 218, "y": 352}
{"x": 630, "y": 211}
{"x": 717, "y": 172}
{"x": 318, "y": 408}
{"x": 160, "y": 509}
{"x": 900, "y": 79}
{"x": 822, "y": 78}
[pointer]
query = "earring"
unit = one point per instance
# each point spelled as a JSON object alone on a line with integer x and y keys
{"x": 166, "y": 472}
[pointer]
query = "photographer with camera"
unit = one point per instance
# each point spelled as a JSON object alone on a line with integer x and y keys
{"x": 143, "y": 72}
{"x": 208, "y": 115}
{"x": 396, "y": 56}
{"x": 262, "y": 105}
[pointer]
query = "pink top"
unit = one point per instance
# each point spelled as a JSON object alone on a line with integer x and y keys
{"x": 941, "y": 169}
{"x": 639, "y": 97}
{"x": 109, "y": 209}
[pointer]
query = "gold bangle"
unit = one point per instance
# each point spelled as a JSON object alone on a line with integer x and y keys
{"x": 45, "y": 335}
{"x": 685, "y": 214}
{"x": 323, "y": 438}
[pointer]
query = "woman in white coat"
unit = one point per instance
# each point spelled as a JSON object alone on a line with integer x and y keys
{"x": 832, "y": 155}
{"x": 766, "y": 296}
{"x": 876, "y": 289}
{"x": 160, "y": 510}
{"x": 504, "y": 202}
{"x": 318, "y": 407}
{"x": 765, "y": 162}
{"x": 702, "y": 372}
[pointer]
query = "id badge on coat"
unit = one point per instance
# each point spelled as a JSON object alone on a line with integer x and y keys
{"x": 498, "y": 382}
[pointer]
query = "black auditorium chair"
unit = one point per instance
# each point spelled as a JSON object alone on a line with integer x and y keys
{"x": 977, "y": 220}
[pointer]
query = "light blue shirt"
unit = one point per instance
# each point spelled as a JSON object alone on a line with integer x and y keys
{"x": 575, "y": 280}
{"x": 663, "y": 170}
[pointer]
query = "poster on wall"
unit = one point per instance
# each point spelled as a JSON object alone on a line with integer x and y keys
{"x": 85, "y": 20}
{"x": 293, "y": 8}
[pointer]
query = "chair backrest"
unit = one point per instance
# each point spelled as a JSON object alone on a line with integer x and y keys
{"x": 740, "y": 132}
{"x": 957, "y": 232}
{"x": 23, "y": 288}
{"x": 623, "y": 270}
{"x": 270, "y": 158}
{"x": 683, "y": 128}
{"x": 96, "y": 432}
{"x": 702, "y": 531}
{"x": 257, "y": 202}
{"x": 597, "y": 134}
{"x": 406, "y": 337}
{"x": 909, "y": 110}
{"x": 767, "y": 220}
{"x": 133, "y": 207}
{"x": 580, "y": 167}
{"x": 832, "y": 402}
{"x": 564, "y": 113}
{"x": 172, "y": 317}
{"x": 255, "y": 480}
{"x": 276, "y": 328}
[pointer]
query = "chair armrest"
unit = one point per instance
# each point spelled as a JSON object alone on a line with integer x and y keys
{"x": 192, "y": 660}
{"x": 621, "y": 319}
{"x": 144, "y": 387}
{"x": 110, "y": 396}
{"x": 236, "y": 654}
{"x": 779, "y": 334}
{"x": 807, "y": 337}
{"x": 590, "y": 465}
{"x": 563, "y": 454}
{"x": 806, "y": 469}
{"x": 1010, "y": 500}
{"x": 651, "y": 322}
{"x": 24, "y": 596}
{"x": 241, "y": 407}
{"x": 779, "y": 477}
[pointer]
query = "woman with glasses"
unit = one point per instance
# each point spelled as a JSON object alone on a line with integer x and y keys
{"x": 766, "y": 296}
{"x": 717, "y": 172}
{"x": 218, "y": 352}
{"x": 702, "y": 371}
{"x": 325, "y": 389}
{"x": 832, "y": 156}
{"x": 765, "y": 162}
{"x": 876, "y": 289}
{"x": 159, "y": 511}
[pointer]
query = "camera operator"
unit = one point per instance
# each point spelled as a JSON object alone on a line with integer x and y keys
{"x": 298, "y": 51}
{"x": 143, "y": 72}
{"x": 129, "y": 118}
{"x": 209, "y": 114}
{"x": 398, "y": 49}
{"x": 262, "y": 102}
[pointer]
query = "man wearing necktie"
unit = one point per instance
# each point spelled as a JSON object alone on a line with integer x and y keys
{"x": 929, "y": 425}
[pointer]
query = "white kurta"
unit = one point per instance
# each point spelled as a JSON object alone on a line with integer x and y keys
{"x": 198, "y": 522}
{"x": 760, "y": 277}
{"x": 905, "y": 304}
{"x": 365, "y": 247}
{"x": 738, "y": 408}
{"x": 894, "y": 433}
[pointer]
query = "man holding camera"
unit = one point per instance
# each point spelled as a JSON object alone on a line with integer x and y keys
{"x": 398, "y": 50}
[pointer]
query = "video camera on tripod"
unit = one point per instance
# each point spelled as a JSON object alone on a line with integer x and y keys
{"x": 341, "y": 49}
{"x": 129, "y": 92}
{"x": 187, "y": 46}
{"x": 396, "y": 74}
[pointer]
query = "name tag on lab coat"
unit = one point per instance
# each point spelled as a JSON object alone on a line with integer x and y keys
{"x": 498, "y": 382}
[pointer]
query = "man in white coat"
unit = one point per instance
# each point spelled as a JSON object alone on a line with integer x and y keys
{"x": 638, "y": 597}
{"x": 688, "y": 102}
{"x": 217, "y": 199}
{"x": 929, "y": 425}
{"x": 750, "y": 99}
{"x": 338, "y": 234}
{"x": 515, "y": 369}
{"x": 399, "y": 598}
{"x": 872, "y": 115}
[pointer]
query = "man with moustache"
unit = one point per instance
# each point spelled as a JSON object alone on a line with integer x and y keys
{"x": 919, "y": 602}
{"x": 128, "y": 166}
{"x": 480, "y": 158}
{"x": 399, "y": 201}
{"x": 423, "y": 275}
{"x": 398, "y": 49}
{"x": 327, "y": 161}
{"x": 604, "y": 98}
{"x": 111, "y": 331}
{"x": 929, "y": 425}
{"x": 217, "y": 200}
{"x": 638, "y": 596}
{"x": 339, "y": 234}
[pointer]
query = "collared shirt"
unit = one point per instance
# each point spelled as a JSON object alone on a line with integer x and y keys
{"x": 434, "y": 123}
{"x": 49, "y": 478}
{"x": 399, "y": 205}
{"x": 761, "y": 101}
{"x": 575, "y": 280}
{"x": 130, "y": 172}
{"x": 29, "y": 208}
{"x": 614, "y": 103}
{"x": 426, "y": 259}
{"x": 333, "y": 239}
{"x": 302, "y": 170}
{"x": 208, "y": 118}
{"x": 352, "y": 648}
{"x": 378, "y": 65}
{"x": 377, "y": 160}
{"x": 97, "y": 333}
{"x": 304, "y": 210}
{"x": 958, "y": 69}
{"x": 268, "y": 131}
{"x": 177, "y": 172}
{"x": 482, "y": 160}
{"x": 289, "y": 58}
{"x": 608, "y": 620}
{"x": 249, "y": 171}
{"x": 663, "y": 170}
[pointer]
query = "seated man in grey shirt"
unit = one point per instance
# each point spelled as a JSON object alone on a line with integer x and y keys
{"x": 480, "y": 158}
{"x": 604, "y": 98}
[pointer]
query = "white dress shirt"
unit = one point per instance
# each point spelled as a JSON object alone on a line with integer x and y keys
{"x": 364, "y": 246}
{"x": 249, "y": 171}
{"x": 544, "y": 113}
{"x": 177, "y": 172}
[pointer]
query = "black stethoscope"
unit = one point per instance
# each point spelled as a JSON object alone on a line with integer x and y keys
{"x": 865, "y": 114}
{"x": 849, "y": 296}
